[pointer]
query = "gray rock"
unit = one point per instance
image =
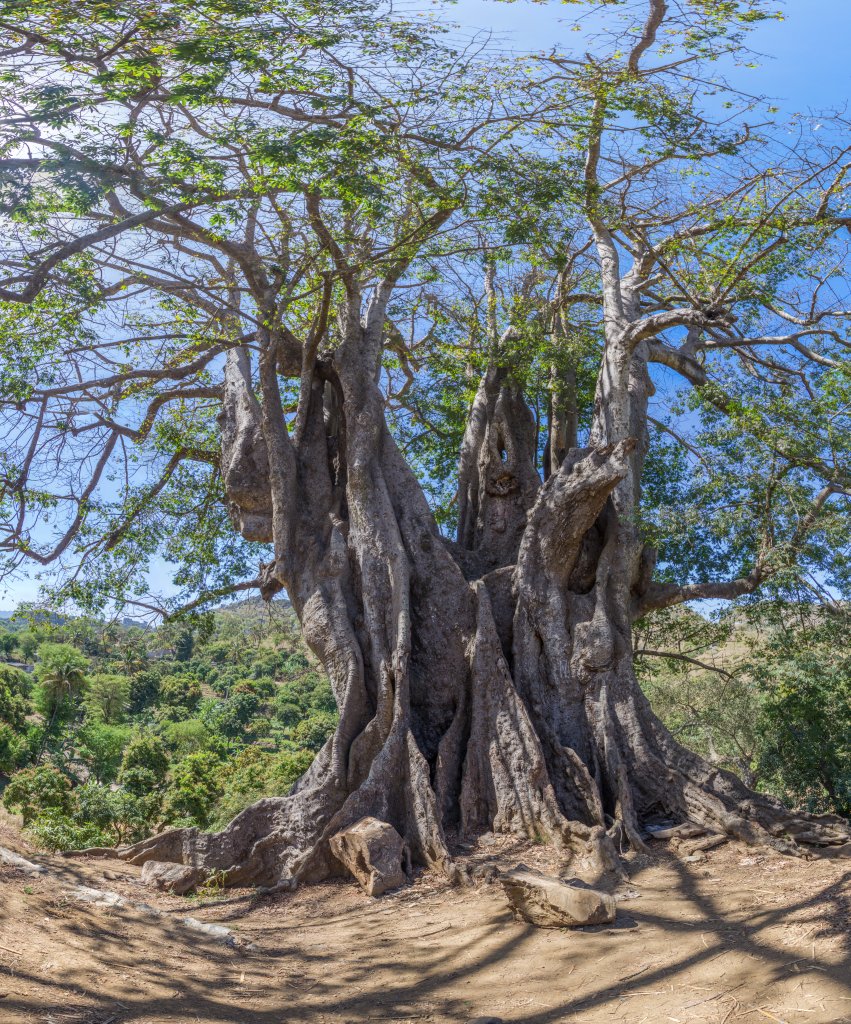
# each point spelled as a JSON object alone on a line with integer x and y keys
{"x": 216, "y": 931}
{"x": 486, "y": 873}
{"x": 97, "y": 897}
{"x": 551, "y": 903}
{"x": 374, "y": 853}
{"x": 176, "y": 878}
{"x": 14, "y": 860}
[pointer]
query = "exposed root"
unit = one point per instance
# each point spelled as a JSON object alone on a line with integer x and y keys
{"x": 666, "y": 776}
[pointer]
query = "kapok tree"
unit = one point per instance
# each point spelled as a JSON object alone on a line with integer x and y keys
{"x": 215, "y": 210}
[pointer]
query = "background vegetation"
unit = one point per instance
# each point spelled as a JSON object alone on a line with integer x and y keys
{"x": 109, "y": 732}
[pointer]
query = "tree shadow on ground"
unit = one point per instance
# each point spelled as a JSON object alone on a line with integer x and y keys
{"x": 331, "y": 954}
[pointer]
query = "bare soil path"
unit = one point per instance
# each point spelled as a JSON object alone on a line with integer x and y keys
{"x": 739, "y": 938}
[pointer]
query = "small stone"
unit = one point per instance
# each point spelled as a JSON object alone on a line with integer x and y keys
{"x": 484, "y": 873}
{"x": 551, "y": 903}
{"x": 459, "y": 874}
{"x": 176, "y": 878}
{"x": 374, "y": 853}
{"x": 486, "y": 1020}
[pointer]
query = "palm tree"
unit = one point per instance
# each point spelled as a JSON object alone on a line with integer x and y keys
{"x": 61, "y": 675}
{"x": 62, "y": 680}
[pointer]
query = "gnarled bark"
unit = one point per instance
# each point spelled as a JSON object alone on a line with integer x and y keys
{"x": 484, "y": 684}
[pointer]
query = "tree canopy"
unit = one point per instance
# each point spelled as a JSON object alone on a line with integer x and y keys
{"x": 174, "y": 180}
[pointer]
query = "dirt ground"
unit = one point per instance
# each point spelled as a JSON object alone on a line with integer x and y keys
{"x": 741, "y": 937}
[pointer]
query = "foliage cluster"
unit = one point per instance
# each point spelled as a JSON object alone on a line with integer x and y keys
{"x": 764, "y": 692}
{"x": 109, "y": 732}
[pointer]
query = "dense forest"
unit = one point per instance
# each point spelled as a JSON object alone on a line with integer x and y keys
{"x": 109, "y": 731}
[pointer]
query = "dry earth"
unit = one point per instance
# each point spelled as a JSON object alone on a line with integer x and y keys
{"x": 740, "y": 937}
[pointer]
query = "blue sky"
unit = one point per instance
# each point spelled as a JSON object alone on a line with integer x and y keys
{"x": 806, "y": 64}
{"x": 805, "y": 67}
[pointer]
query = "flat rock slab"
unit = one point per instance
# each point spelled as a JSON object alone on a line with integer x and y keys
{"x": 375, "y": 853}
{"x": 176, "y": 878}
{"x": 551, "y": 903}
{"x": 15, "y": 860}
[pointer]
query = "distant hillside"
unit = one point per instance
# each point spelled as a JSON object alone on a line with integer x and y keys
{"x": 251, "y": 609}
{"x": 254, "y": 611}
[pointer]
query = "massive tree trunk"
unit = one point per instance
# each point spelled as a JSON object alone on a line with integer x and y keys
{"x": 482, "y": 684}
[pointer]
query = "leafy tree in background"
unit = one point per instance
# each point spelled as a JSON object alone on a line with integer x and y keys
{"x": 763, "y": 692}
{"x": 184, "y": 645}
{"x": 804, "y": 679}
{"x": 145, "y": 763}
{"x": 28, "y": 645}
{"x": 101, "y": 748}
{"x": 119, "y": 816}
{"x": 287, "y": 712}
{"x": 254, "y": 774}
{"x": 37, "y": 789}
{"x": 111, "y": 804}
{"x": 144, "y": 689}
{"x": 179, "y": 697}
{"x": 195, "y": 783}
{"x": 14, "y": 749}
{"x": 313, "y": 731}
{"x": 14, "y": 688}
{"x": 186, "y": 737}
{"x": 230, "y": 717}
{"x": 107, "y": 697}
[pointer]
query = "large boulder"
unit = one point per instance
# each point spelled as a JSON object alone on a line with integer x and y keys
{"x": 551, "y": 903}
{"x": 374, "y": 853}
{"x": 176, "y": 878}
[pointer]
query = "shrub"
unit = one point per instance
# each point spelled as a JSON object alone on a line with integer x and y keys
{"x": 118, "y": 814}
{"x": 102, "y": 748}
{"x": 313, "y": 731}
{"x": 37, "y": 789}
{"x": 54, "y": 830}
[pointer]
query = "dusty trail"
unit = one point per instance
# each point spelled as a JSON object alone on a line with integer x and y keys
{"x": 739, "y": 937}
